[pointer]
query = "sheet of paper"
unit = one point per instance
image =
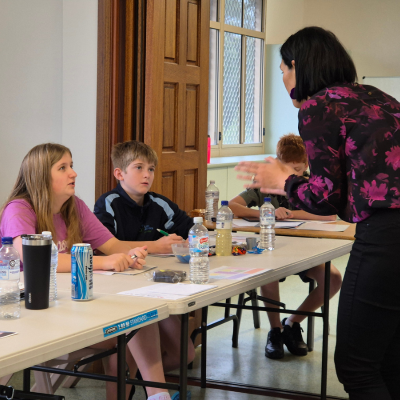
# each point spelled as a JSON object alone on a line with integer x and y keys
{"x": 168, "y": 291}
{"x": 241, "y": 222}
{"x": 235, "y": 273}
{"x": 5, "y": 334}
{"x": 310, "y": 220}
{"x": 323, "y": 227}
{"x": 129, "y": 271}
{"x": 287, "y": 224}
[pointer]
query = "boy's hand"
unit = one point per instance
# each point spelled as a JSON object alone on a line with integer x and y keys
{"x": 283, "y": 213}
{"x": 163, "y": 245}
{"x": 139, "y": 260}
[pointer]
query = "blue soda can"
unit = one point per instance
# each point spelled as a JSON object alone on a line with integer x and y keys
{"x": 82, "y": 272}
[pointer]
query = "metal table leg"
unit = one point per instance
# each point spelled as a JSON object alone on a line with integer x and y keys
{"x": 325, "y": 318}
{"x": 121, "y": 367}
{"x": 183, "y": 357}
{"x": 27, "y": 380}
{"x": 203, "y": 373}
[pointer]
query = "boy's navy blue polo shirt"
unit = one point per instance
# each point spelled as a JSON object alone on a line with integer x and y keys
{"x": 130, "y": 222}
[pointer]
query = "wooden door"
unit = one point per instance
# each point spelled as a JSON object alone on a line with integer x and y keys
{"x": 176, "y": 97}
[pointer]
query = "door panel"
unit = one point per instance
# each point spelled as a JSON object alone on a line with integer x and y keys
{"x": 176, "y": 97}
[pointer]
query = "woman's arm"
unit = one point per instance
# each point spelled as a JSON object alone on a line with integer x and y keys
{"x": 240, "y": 209}
{"x": 300, "y": 214}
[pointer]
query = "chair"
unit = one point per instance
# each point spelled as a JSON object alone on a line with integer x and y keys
{"x": 4, "y": 380}
{"x": 48, "y": 383}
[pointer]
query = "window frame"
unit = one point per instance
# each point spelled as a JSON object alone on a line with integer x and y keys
{"x": 226, "y": 150}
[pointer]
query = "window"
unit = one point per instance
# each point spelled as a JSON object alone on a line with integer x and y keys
{"x": 236, "y": 89}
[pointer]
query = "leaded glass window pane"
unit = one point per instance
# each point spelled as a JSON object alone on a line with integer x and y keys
{"x": 213, "y": 88}
{"x": 233, "y": 12}
{"x": 252, "y": 16}
{"x": 231, "y": 88}
{"x": 214, "y": 10}
{"x": 253, "y": 92}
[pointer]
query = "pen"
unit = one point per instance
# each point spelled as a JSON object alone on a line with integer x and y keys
{"x": 134, "y": 256}
{"x": 162, "y": 232}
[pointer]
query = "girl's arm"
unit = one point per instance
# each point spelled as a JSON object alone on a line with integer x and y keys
{"x": 116, "y": 262}
{"x": 118, "y": 251}
{"x": 240, "y": 209}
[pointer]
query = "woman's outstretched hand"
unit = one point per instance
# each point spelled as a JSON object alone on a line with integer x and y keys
{"x": 270, "y": 176}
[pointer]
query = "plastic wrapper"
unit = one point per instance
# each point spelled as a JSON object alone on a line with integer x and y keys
{"x": 168, "y": 276}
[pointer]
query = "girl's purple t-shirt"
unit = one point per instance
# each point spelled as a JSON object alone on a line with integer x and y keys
{"x": 19, "y": 218}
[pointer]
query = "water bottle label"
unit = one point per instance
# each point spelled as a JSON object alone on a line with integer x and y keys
{"x": 7, "y": 274}
{"x": 4, "y": 272}
{"x": 198, "y": 243}
{"x": 267, "y": 220}
{"x": 224, "y": 225}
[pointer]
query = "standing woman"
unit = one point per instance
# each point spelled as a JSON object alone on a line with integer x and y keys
{"x": 43, "y": 199}
{"x": 352, "y": 137}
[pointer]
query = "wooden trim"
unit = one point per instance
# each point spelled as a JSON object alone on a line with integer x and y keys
{"x": 120, "y": 66}
{"x": 104, "y": 89}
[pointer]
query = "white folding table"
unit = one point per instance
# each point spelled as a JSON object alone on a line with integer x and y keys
{"x": 291, "y": 255}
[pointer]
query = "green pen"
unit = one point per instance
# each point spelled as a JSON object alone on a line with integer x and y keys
{"x": 163, "y": 232}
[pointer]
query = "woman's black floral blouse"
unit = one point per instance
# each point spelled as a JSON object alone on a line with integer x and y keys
{"x": 352, "y": 137}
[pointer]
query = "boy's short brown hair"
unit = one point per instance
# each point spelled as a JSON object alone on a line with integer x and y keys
{"x": 123, "y": 154}
{"x": 290, "y": 148}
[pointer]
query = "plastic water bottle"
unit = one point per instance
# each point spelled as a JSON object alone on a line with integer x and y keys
{"x": 224, "y": 230}
{"x": 212, "y": 200}
{"x": 267, "y": 225}
{"x": 198, "y": 249}
{"x": 9, "y": 280}
{"x": 53, "y": 269}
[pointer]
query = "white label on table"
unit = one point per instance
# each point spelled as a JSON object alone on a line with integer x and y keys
{"x": 130, "y": 323}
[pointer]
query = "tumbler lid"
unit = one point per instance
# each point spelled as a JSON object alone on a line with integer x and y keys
{"x": 36, "y": 240}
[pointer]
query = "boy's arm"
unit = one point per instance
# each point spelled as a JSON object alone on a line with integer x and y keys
{"x": 182, "y": 222}
{"x": 240, "y": 209}
{"x": 104, "y": 217}
{"x": 160, "y": 246}
{"x": 300, "y": 214}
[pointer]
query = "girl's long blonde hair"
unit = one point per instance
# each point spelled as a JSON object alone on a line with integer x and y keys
{"x": 33, "y": 185}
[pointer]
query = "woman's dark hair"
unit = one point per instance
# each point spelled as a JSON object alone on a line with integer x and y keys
{"x": 320, "y": 60}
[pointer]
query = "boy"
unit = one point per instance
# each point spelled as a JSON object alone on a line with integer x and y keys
{"x": 290, "y": 150}
{"x": 131, "y": 212}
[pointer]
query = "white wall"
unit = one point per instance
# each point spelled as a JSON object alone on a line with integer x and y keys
{"x": 79, "y": 85}
{"x": 368, "y": 29}
{"x": 48, "y": 64}
{"x": 280, "y": 115}
{"x": 30, "y": 81}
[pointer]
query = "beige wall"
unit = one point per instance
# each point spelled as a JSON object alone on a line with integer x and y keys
{"x": 369, "y": 29}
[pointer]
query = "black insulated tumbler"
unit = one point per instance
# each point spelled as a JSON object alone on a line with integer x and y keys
{"x": 36, "y": 251}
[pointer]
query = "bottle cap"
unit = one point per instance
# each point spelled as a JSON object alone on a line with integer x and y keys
{"x": 267, "y": 199}
{"x": 198, "y": 220}
{"x": 212, "y": 182}
{"x": 224, "y": 202}
{"x": 6, "y": 240}
{"x": 47, "y": 233}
